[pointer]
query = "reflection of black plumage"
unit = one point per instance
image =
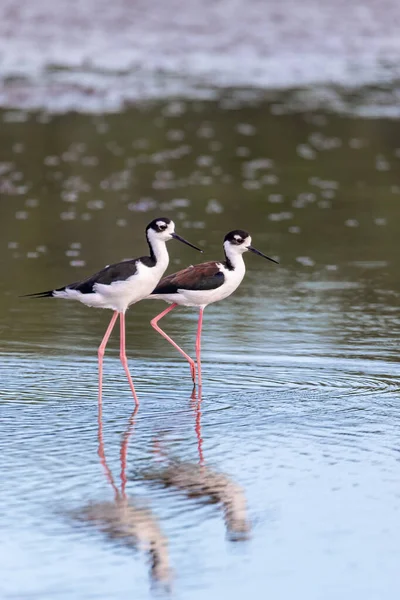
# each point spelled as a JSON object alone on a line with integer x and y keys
{"x": 134, "y": 526}
{"x": 199, "y": 481}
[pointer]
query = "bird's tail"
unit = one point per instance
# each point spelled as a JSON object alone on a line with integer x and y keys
{"x": 47, "y": 294}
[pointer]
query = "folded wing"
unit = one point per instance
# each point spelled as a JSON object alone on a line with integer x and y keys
{"x": 117, "y": 272}
{"x": 206, "y": 276}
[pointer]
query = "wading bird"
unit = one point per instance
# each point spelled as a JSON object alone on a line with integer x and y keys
{"x": 200, "y": 285}
{"x": 119, "y": 285}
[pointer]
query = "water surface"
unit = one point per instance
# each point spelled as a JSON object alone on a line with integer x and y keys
{"x": 283, "y": 478}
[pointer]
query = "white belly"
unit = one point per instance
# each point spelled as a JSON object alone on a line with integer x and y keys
{"x": 201, "y": 298}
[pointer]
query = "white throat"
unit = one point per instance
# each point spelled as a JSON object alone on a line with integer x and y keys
{"x": 160, "y": 252}
{"x": 234, "y": 256}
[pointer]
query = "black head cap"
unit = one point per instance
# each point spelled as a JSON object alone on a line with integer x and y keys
{"x": 237, "y": 236}
{"x": 159, "y": 224}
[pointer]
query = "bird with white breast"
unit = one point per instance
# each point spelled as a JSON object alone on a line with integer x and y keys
{"x": 122, "y": 284}
{"x": 200, "y": 285}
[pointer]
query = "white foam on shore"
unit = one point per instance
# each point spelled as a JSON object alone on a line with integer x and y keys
{"x": 97, "y": 55}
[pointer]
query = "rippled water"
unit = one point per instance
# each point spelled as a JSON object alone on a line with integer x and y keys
{"x": 282, "y": 480}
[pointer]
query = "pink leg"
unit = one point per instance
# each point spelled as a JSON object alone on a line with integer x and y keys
{"x": 122, "y": 355}
{"x": 101, "y": 350}
{"x": 154, "y": 322}
{"x": 198, "y": 346}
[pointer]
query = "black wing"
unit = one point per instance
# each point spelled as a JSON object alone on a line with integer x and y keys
{"x": 116, "y": 272}
{"x": 206, "y": 276}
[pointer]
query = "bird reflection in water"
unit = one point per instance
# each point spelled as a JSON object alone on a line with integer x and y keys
{"x": 123, "y": 519}
{"x": 200, "y": 481}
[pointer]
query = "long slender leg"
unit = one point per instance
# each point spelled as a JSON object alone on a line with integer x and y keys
{"x": 122, "y": 355}
{"x": 154, "y": 322}
{"x": 101, "y": 350}
{"x": 198, "y": 346}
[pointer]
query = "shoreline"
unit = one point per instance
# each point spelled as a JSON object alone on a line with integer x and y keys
{"x": 63, "y": 55}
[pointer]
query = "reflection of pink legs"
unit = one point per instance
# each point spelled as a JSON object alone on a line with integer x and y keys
{"x": 101, "y": 350}
{"x": 124, "y": 450}
{"x": 154, "y": 322}
{"x": 123, "y": 453}
{"x": 122, "y": 355}
{"x": 198, "y": 431}
{"x": 198, "y": 345}
{"x": 101, "y": 453}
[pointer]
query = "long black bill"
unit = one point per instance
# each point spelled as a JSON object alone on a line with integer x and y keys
{"x": 261, "y": 254}
{"x": 181, "y": 239}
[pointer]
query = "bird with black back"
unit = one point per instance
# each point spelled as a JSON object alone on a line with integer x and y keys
{"x": 200, "y": 285}
{"x": 122, "y": 284}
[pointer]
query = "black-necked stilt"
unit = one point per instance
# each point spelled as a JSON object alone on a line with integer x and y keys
{"x": 119, "y": 285}
{"x": 203, "y": 284}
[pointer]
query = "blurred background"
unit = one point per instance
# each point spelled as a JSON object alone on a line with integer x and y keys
{"x": 281, "y": 118}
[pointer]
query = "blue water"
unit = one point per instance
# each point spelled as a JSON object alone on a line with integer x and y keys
{"x": 312, "y": 442}
{"x": 282, "y": 480}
